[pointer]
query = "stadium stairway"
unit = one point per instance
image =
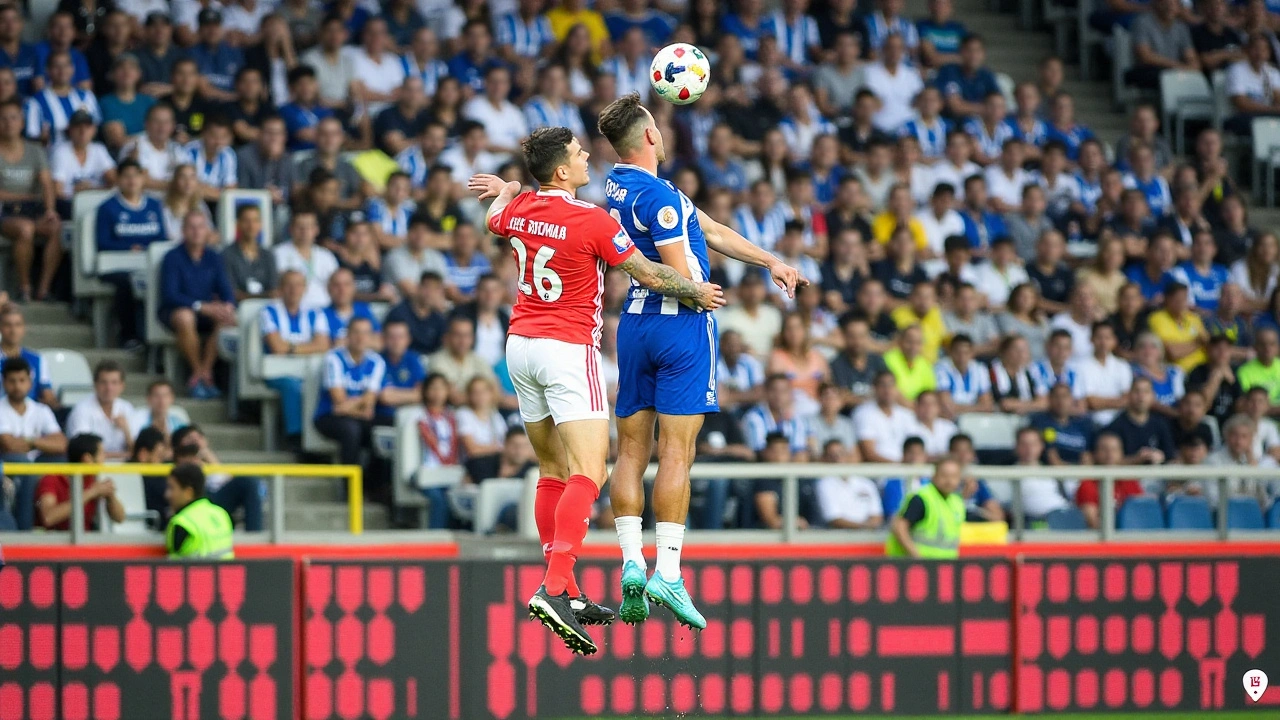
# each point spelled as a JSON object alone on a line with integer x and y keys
{"x": 311, "y": 504}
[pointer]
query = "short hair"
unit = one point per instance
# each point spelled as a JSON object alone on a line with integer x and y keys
{"x": 128, "y": 164}
{"x": 776, "y": 437}
{"x": 149, "y": 438}
{"x": 300, "y": 72}
{"x": 620, "y": 120}
{"x": 188, "y": 452}
{"x": 1109, "y": 434}
{"x": 15, "y": 365}
{"x": 159, "y": 384}
{"x": 849, "y": 318}
{"x": 430, "y": 276}
{"x": 958, "y": 339}
{"x": 247, "y": 207}
{"x": 1028, "y": 429}
{"x": 1060, "y": 333}
{"x": 956, "y": 243}
{"x": 107, "y": 366}
{"x": 545, "y": 150}
{"x": 913, "y": 441}
{"x": 179, "y": 437}
{"x": 81, "y": 445}
{"x": 957, "y": 439}
{"x": 190, "y": 476}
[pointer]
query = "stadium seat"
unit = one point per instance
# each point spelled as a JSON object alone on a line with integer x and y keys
{"x": 1006, "y": 84}
{"x": 1087, "y": 37}
{"x": 1273, "y": 515}
{"x": 85, "y": 284}
{"x": 247, "y": 383}
{"x": 1189, "y": 512}
{"x": 230, "y": 200}
{"x": 1140, "y": 512}
{"x": 132, "y": 494}
{"x": 1266, "y": 157}
{"x": 1066, "y": 519}
{"x": 483, "y": 502}
{"x": 1184, "y": 95}
{"x": 312, "y": 440}
{"x": 1221, "y": 102}
{"x": 1244, "y": 513}
{"x": 161, "y": 345}
{"x": 69, "y": 372}
{"x": 408, "y": 477}
{"x": 991, "y": 431}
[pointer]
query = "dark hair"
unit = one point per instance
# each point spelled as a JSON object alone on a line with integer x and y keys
{"x": 245, "y": 71}
{"x": 911, "y": 442}
{"x": 189, "y": 452}
{"x": 178, "y": 439}
{"x": 149, "y": 438}
{"x": 190, "y": 476}
{"x": 301, "y": 71}
{"x": 129, "y": 163}
{"x": 955, "y": 243}
{"x": 545, "y": 150}
{"x": 957, "y": 439}
{"x": 215, "y": 120}
{"x": 791, "y": 226}
{"x": 430, "y": 275}
{"x": 15, "y": 365}
{"x": 776, "y": 377}
{"x": 247, "y": 207}
{"x": 107, "y": 366}
{"x": 851, "y": 317}
{"x": 619, "y": 120}
{"x": 81, "y": 445}
{"x": 1060, "y": 333}
{"x": 959, "y": 338}
{"x": 776, "y": 437}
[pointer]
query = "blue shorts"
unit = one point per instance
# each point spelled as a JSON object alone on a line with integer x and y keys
{"x": 668, "y": 363}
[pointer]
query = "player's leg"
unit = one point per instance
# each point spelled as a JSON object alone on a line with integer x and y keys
{"x": 636, "y": 416}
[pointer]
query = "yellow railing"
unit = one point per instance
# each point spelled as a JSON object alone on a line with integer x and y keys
{"x": 354, "y": 475}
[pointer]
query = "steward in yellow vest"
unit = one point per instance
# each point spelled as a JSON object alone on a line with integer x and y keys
{"x": 199, "y": 529}
{"x": 928, "y": 522}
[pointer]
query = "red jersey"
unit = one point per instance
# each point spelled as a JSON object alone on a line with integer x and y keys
{"x": 562, "y": 246}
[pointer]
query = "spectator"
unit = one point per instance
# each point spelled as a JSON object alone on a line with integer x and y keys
{"x": 405, "y": 373}
{"x": 1050, "y": 274}
{"x": 361, "y": 263}
{"x": 490, "y": 318}
{"x": 470, "y": 156}
{"x": 1029, "y": 127}
{"x": 59, "y": 37}
{"x": 155, "y": 150}
{"x": 214, "y": 160}
{"x": 1065, "y": 193}
{"x": 804, "y": 124}
{"x": 1192, "y": 452}
{"x": 756, "y": 321}
{"x": 928, "y": 525}
{"x": 719, "y": 168}
{"x": 349, "y": 392}
{"x": 1105, "y": 276}
{"x": 967, "y": 83}
{"x": 304, "y": 111}
{"x": 1014, "y": 387}
{"x": 1105, "y": 378}
{"x": 290, "y": 328}
{"x": 980, "y": 504}
{"x": 1216, "y": 379}
{"x": 899, "y": 271}
{"x": 49, "y": 111}
{"x": 406, "y": 264}
{"x": 29, "y": 432}
{"x": 1144, "y": 129}
{"x": 1146, "y": 438}
{"x": 836, "y": 82}
{"x": 1006, "y": 179}
{"x": 766, "y": 494}
{"x": 216, "y": 59}
{"x": 1028, "y": 225}
{"x": 128, "y": 221}
{"x": 882, "y": 425}
{"x": 110, "y": 41}
{"x": 159, "y": 414}
{"x": 1154, "y": 273}
{"x": 989, "y": 129}
{"x": 457, "y": 360}
{"x": 997, "y": 279}
{"x": 1266, "y": 439}
{"x": 465, "y": 264}
{"x": 739, "y": 376}
{"x": 888, "y": 22}
{"x": 940, "y": 221}
{"x": 503, "y": 121}
{"x": 53, "y": 492}
{"x": 1022, "y": 317}
{"x": 964, "y": 385}
{"x": 377, "y": 74}
{"x": 851, "y": 502}
{"x": 124, "y": 111}
{"x": 899, "y": 213}
{"x": 1109, "y": 451}
{"x": 1078, "y": 319}
{"x": 396, "y": 127}
{"x": 389, "y": 214}
{"x": 328, "y": 156}
{"x": 344, "y": 307}
{"x": 199, "y": 529}
{"x": 1238, "y": 450}
{"x": 922, "y": 309}
{"x": 777, "y": 414}
{"x": 13, "y": 330}
{"x": 301, "y": 254}
{"x": 1167, "y": 381}
{"x": 892, "y": 79}
{"x": 244, "y": 494}
{"x": 251, "y": 270}
{"x": 1230, "y": 323}
{"x": 157, "y": 55}
{"x": 1129, "y": 320}
{"x": 441, "y": 446}
{"x": 334, "y": 66}
{"x": 959, "y": 271}
{"x": 481, "y": 428}
{"x": 981, "y": 226}
{"x": 935, "y": 431}
{"x": 1204, "y": 278}
{"x": 1068, "y": 436}
{"x": 197, "y": 302}
{"x": 941, "y": 36}
{"x": 423, "y": 312}
{"x": 1257, "y": 272}
{"x": 761, "y": 220}
{"x": 1160, "y": 42}
{"x": 552, "y": 106}
{"x": 30, "y": 205}
{"x": 182, "y": 196}
{"x": 1144, "y": 177}
{"x": 795, "y": 357}
{"x": 104, "y": 413}
{"x": 1040, "y": 495}
{"x": 1063, "y": 127}
{"x": 1218, "y": 44}
{"x": 1180, "y": 330}
{"x": 1232, "y": 232}
{"x": 187, "y": 101}
{"x": 1264, "y": 369}
{"x": 1253, "y": 85}
{"x": 265, "y": 164}
{"x": 1057, "y": 367}
{"x": 1190, "y": 421}
{"x": 830, "y": 423}
{"x": 956, "y": 166}
{"x": 911, "y": 369}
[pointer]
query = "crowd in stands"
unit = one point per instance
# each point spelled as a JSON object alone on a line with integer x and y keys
{"x": 971, "y": 248}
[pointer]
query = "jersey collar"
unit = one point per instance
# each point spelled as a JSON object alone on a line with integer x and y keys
{"x": 554, "y": 191}
{"x": 629, "y": 166}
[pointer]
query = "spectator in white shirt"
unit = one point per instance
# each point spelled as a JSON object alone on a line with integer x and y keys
{"x": 301, "y": 254}
{"x": 502, "y": 120}
{"x": 28, "y": 432}
{"x": 896, "y": 83}
{"x": 940, "y": 220}
{"x": 1040, "y": 495}
{"x": 739, "y": 376}
{"x": 377, "y": 72}
{"x": 159, "y": 412}
{"x": 1253, "y": 84}
{"x": 1239, "y": 450}
{"x": 155, "y": 149}
{"x": 882, "y": 425}
{"x": 935, "y": 430}
{"x": 850, "y": 502}
{"x": 1104, "y": 378}
{"x": 1256, "y": 405}
{"x": 1082, "y": 312}
{"x": 1006, "y": 178}
{"x": 997, "y": 278}
{"x": 829, "y": 423}
{"x": 470, "y": 156}
{"x": 104, "y": 413}
{"x": 80, "y": 163}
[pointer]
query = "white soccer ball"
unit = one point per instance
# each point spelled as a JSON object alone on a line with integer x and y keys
{"x": 680, "y": 73}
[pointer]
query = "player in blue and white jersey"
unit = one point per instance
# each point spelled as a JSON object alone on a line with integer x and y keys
{"x": 667, "y": 355}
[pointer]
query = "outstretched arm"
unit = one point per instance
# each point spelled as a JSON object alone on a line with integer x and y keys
{"x": 492, "y": 186}
{"x": 726, "y": 241}
{"x": 667, "y": 281}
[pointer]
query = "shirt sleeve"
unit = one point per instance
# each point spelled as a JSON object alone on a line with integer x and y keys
{"x": 612, "y": 244}
{"x": 914, "y": 511}
{"x": 659, "y": 209}
{"x": 333, "y": 372}
{"x": 499, "y": 221}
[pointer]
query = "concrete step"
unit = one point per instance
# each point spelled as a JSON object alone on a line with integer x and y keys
{"x": 299, "y": 490}
{"x": 257, "y": 457}
{"x": 132, "y": 362}
{"x": 204, "y": 413}
{"x": 48, "y": 313}
{"x": 332, "y": 517}
{"x": 227, "y": 436}
{"x": 66, "y": 334}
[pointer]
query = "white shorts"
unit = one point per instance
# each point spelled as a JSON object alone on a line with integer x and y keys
{"x": 556, "y": 378}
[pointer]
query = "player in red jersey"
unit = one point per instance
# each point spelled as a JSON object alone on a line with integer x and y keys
{"x": 563, "y": 247}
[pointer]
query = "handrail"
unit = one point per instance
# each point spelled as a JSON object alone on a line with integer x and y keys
{"x": 353, "y": 474}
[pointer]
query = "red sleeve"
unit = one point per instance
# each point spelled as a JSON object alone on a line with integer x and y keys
{"x": 499, "y": 221}
{"x": 610, "y": 242}
{"x": 818, "y": 221}
{"x": 55, "y": 485}
{"x": 1087, "y": 493}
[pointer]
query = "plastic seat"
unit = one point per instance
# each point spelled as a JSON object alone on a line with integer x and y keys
{"x": 1140, "y": 512}
{"x": 68, "y": 370}
{"x": 991, "y": 431}
{"x": 1273, "y": 516}
{"x": 1244, "y": 513}
{"x": 1066, "y": 519}
{"x": 1189, "y": 512}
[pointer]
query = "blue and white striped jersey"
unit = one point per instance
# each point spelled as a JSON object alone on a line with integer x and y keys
{"x": 931, "y": 136}
{"x": 428, "y": 72}
{"x": 394, "y": 222}
{"x": 357, "y": 378}
{"x": 795, "y": 39}
{"x": 414, "y": 163}
{"x": 763, "y": 232}
{"x": 1044, "y": 376}
{"x": 539, "y": 112}
{"x": 965, "y": 387}
{"x": 655, "y": 213}
{"x": 759, "y": 422}
{"x": 526, "y": 37}
{"x": 47, "y": 110}
{"x": 627, "y": 78}
{"x": 989, "y": 143}
{"x": 219, "y": 172}
{"x": 297, "y": 329}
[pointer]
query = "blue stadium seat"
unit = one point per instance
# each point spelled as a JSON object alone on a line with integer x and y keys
{"x": 1140, "y": 512}
{"x": 1244, "y": 513}
{"x": 1273, "y": 516}
{"x": 1066, "y": 519}
{"x": 1188, "y": 512}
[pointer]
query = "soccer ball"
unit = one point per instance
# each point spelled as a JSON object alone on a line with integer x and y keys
{"x": 680, "y": 73}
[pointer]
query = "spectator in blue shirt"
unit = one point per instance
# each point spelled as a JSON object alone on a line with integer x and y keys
{"x": 965, "y": 85}
{"x": 343, "y": 306}
{"x": 524, "y": 34}
{"x": 465, "y": 264}
{"x": 981, "y": 226}
{"x": 60, "y": 37}
{"x": 124, "y": 112}
{"x": 980, "y": 504}
{"x": 472, "y": 64}
{"x": 746, "y": 24}
{"x": 196, "y": 302}
{"x": 218, "y": 62}
{"x": 304, "y": 111}
{"x": 1153, "y": 274}
{"x": 289, "y": 329}
{"x": 402, "y": 385}
{"x": 423, "y": 312}
{"x": 1063, "y": 126}
{"x": 13, "y": 330}
{"x": 720, "y": 169}
{"x": 940, "y": 35}
{"x": 1203, "y": 277}
{"x": 17, "y": 55}
{"x": 403, "y": 21}
{"x": 350, "y": 382}
{"x": 1067, "y": 437}
{"x": 128, "y": 221}
{"x": 657, "y": 25}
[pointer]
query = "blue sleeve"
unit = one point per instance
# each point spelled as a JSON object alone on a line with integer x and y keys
{"x": 997, "y": 226}
{"x": 226, "y": 293}
{"x": 983, "y": 494}
{"x": 106, "y": 237}
{"x": 658, "y": 207}
{"x": 289, "y": 113}
{"x": 172, "y": 291}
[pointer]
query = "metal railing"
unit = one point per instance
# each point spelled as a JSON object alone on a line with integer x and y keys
{"x": 276, "y": 474}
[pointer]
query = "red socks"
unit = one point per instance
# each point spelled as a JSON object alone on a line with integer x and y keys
{"x": 544, "y": 512}
{"x": 572, "y": 518}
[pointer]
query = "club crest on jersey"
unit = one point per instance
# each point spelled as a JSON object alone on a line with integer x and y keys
{"x": 621, "y": 241}
{"x": 668, "y": 218}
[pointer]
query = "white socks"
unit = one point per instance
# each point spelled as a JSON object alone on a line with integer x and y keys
{"x": 670, "y": 540}
{"x": 629, "y": 539}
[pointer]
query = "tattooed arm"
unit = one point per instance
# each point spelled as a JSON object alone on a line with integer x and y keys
{"x": 667, "y": 281}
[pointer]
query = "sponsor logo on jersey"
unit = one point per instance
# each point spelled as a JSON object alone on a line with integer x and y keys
{"x": 621, "y": 241}
{"x": 668, "y": 217}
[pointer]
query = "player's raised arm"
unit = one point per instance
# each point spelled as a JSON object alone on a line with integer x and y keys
{"x": 725, "y": 240}
{"x": 492, "y": 186}
{"x": 667, "y": 281}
